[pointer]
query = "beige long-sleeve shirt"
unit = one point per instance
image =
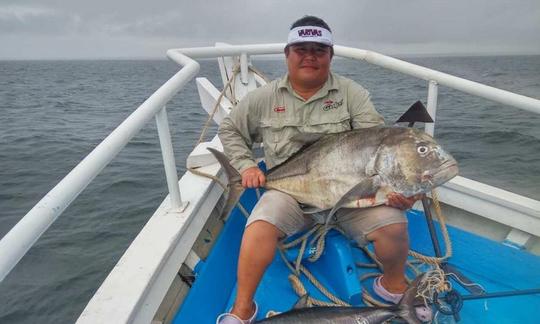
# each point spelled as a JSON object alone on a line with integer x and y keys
{"x": 273, "y": 114}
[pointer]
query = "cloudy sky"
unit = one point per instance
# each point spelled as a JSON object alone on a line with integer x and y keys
{"x": 49, "y": 29}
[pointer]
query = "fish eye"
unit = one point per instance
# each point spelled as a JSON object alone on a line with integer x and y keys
{"x": 422, "y": 149}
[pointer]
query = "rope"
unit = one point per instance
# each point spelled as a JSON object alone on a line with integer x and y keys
{"x": 205, "y": 129}
{"x": 435, "y": 281}
{"x": 230, "y": 85}
{"x": 227, "y": 76}
{"x": 236, "y": 70}
{"x": 444, "y": 230}
{"x": 301, "y": 291}
{"x": 319, "y": 234}
{"x": 259, "y": 73}
{"x": 210, "y": 176}
{"x": 243, "y": 210}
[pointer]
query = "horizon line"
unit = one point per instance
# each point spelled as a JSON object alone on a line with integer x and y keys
{"x": 269, "y": 56}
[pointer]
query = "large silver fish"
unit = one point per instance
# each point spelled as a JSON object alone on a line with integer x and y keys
{"x": 355, "y": 169}
{"x": 354, "y": 315}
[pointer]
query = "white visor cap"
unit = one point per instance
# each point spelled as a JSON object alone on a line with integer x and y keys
{"x": 310, "y": 34}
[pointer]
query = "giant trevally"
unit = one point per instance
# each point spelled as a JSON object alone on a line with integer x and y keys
{"x": 354, "y": 169}
{"x": 354, "y": 315}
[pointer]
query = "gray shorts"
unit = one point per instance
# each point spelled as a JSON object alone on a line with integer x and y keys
{"x": 282, "y": 211}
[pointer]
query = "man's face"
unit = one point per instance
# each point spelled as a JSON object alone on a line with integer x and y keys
{"x": 308, "y": 63}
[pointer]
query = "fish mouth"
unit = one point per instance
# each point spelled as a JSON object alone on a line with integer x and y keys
{"x": 445, "y": 172}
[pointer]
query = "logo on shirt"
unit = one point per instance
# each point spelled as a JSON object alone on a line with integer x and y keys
{"x": 330, "y": 104}
{"x": 279, "y": 109}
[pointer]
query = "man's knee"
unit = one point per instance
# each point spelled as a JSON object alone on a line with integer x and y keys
{"x": 394, "y": 232}
{"x": 263, "y": 229}
{"x": 279, "y": 210}
{"x": 369, "y": 224}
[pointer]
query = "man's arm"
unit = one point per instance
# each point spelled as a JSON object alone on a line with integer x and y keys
{"x": 236, "y": 133}
{"x": 362, "y": 111}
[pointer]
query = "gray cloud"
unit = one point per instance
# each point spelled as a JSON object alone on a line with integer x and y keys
{"x": 35, "y": 20}
{"x": 125, "y": 28}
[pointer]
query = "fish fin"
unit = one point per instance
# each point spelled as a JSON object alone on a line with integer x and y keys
{"x": 294, "y": 165}
{"x": 367, "y": 187}
{"x": 283, "y": 170}
{"x": 235, "y": 182}
{"x": 307, "y": 138}
{"x": 406, "y": 306}
{"x": 302, "y": 302}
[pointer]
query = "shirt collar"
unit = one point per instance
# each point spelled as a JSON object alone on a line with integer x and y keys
{"x": 330, "y": 84}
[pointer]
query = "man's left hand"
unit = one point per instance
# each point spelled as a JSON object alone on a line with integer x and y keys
{"x": 401, "y": 202}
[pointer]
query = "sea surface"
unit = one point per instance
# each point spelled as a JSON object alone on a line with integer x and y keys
{"x": 53, "y": 113}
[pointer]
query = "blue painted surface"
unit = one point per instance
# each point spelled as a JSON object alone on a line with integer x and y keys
{"x": 495, "y": 266}
{"x": 216, "y": 278}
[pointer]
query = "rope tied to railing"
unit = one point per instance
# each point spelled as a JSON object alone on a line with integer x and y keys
{"x": 231, "y": 86}
{"x": 236, "y": 70}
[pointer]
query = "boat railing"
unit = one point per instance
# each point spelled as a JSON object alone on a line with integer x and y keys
{"x": 26, "y": 232}
{"x": 520, "y": 213}
{"x": 434, "y": 78}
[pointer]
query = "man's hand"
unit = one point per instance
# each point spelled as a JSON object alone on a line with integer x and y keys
{"x": 253, "y": 178}
{"x": 401, "y": 202}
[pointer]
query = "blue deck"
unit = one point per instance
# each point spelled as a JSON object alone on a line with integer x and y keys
{"x": 495, "y": 266}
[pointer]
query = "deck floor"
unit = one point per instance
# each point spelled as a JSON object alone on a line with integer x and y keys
{"x": 493, "y": 265}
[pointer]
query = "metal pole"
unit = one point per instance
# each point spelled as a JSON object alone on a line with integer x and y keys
{"x": 244, "y": 68}
{"x": 503, "y": 294}
{"x": 168, "y": 158}
{"x": 432, "y": 106}
{"x": 431, "y": 227}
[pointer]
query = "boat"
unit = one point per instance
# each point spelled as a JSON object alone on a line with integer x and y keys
{"x": 181, "y": 267}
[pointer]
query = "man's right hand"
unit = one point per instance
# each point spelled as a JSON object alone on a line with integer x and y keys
{"x": 253, "y": 178}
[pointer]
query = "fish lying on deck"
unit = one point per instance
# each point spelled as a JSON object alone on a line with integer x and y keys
{"x": 354, "y": 169}
{"x": 365, "y": 315}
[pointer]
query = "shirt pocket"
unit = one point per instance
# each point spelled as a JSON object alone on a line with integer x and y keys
{"x": 277, "y": 135}
{"x": 329, "y": 121}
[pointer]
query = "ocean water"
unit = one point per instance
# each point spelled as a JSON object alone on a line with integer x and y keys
{"x": 53, "y": 113}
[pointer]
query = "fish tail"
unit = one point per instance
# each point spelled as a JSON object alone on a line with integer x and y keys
{"x": 407, "y": 310}
{"x": 235, "y": 182}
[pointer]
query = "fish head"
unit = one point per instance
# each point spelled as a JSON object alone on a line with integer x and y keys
{"x": 413, "y": 162}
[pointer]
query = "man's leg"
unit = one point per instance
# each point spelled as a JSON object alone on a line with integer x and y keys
{"x": 391, "y": 244}
{"x": 256, "y": 253}
{"x": 276, "y": 215}
{"x": 386, "y": 227}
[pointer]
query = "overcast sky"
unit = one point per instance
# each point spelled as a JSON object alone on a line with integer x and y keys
{"x": 31, "y": 29}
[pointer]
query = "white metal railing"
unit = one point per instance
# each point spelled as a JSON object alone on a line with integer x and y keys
{"x": 26, "y": 232}
{"x": 15, "y": 244}
{"x": 434, "y": 78}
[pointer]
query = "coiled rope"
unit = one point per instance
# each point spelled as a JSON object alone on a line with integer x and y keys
{"x": 435, "y": 280}
{"x": 319, "y": 234}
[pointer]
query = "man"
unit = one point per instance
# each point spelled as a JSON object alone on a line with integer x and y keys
{"x": 309, "y": 99}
